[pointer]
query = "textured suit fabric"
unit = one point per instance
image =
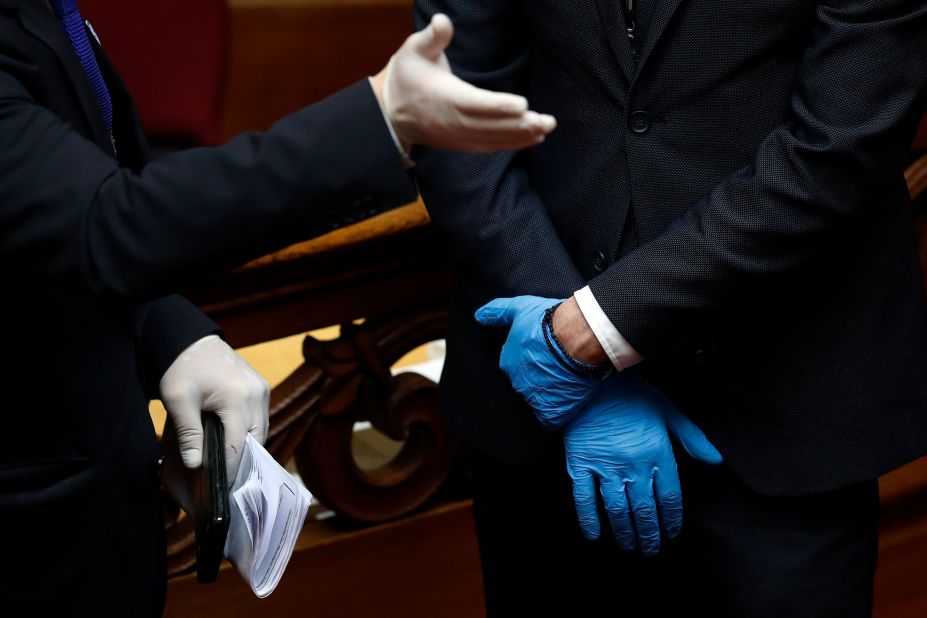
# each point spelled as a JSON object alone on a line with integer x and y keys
{"x": 736, "y": 204}
{"x": 740, "y": 555}
{"x": 88, "y": 248}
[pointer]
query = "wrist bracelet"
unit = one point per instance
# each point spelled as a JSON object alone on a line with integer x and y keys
{"x": 556, "y": 347}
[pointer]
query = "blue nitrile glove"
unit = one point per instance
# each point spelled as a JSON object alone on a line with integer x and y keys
{"x": 619, "y": 442}
{"x": 536, "y": 367}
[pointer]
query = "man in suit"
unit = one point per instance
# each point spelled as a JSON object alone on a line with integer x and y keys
{"x": 722, "y": 211}
{"x": 94, "y": 237}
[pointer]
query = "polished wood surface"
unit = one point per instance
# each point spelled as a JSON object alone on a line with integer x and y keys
{"x": 391, "y": 273}
{"x": 410, "y": 217}
{"x": 901, "y": 577}
{"x": 424, "y": 566}
{"x": 390, "y": 263}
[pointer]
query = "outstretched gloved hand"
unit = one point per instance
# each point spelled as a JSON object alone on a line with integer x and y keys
{"x": 429, "y": 105}
{"x": 620, "y": 444}
{"x": 211, "y": 376}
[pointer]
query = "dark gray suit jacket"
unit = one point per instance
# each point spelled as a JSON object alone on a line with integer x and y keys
{"x": 736, "y": 203}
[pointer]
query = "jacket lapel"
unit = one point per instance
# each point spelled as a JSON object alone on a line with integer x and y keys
{"x": 611, "y": 14}
{"x": 663, "y": 12}
{"x": 41, "y": 24}
{"x": 613, "y": 24}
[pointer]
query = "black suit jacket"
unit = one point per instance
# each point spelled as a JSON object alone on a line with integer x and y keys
{"x": 736, "y": 203}
{"x": 88, "y": 248}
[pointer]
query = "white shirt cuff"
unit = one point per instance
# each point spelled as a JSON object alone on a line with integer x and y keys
{"x": 617, "y": 347}
{"x": 409, "y": 163}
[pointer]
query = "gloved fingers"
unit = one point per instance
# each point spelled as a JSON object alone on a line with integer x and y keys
{"x": 258, "y": 404}
{"x": 233, "y": 453}
{"x": 692, "y": 439}
{"x": 586, "y": 505}
{"x": 473, "y": 101}
{"x": 668, "y": 492}
{"x": 503, "y": 132}
{"x": 243, "y": 395}
{"x": 432, "y": 40}
{"x": 494, "y": 143}
{"x": 498, "y": 139}
{"x": 492, "y": 125}
{"x": 644, "y": 510}
{"x": 498, "y": 312}
{"x": 261, "y": 431}
{"x": 236, "y": 428}
{"x": 245, "y": 413}
{"x": 184, "y": 406}
{"x": 619, "y": 512}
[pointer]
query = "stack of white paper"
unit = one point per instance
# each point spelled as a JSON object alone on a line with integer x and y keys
{"x": 268, "y": 510}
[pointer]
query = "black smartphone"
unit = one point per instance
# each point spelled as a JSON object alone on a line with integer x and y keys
{"x": 211, "y": 502}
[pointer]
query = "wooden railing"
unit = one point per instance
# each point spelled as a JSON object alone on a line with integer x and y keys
{"x": 386, "y": 283}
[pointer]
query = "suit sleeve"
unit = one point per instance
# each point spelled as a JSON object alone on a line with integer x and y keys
{"x": 498, "y": 227}
{"x": 830, "y": 172}
{"x": 162, "y": 329}
{"x": 68, "y": 213}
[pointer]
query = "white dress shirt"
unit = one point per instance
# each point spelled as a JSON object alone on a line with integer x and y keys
{"x": 617, "y": 348}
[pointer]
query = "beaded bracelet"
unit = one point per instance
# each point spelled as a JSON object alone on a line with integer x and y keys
{"x": 569, "y": 361}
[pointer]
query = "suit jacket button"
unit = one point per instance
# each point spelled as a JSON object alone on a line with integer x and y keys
{"x": 599, "y": 261}
{"x": 639, "y": 122}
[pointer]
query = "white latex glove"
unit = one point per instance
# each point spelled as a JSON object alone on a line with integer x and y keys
{"x": 211, "y": 376}
{"x": 427, "y": 104}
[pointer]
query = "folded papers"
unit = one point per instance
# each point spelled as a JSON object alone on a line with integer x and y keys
{"x": 268, "y": 508}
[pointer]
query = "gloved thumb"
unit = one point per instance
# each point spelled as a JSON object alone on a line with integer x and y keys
{"x": 431, "y": 42}
{"x": 498, "y": 312}
{"x": 186, "y": 416}
{"x": 692, "y": 439}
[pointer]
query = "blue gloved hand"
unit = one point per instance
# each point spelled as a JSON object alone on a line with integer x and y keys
{"x": 537, "y": 369}
{"x": 619, "y": 442}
